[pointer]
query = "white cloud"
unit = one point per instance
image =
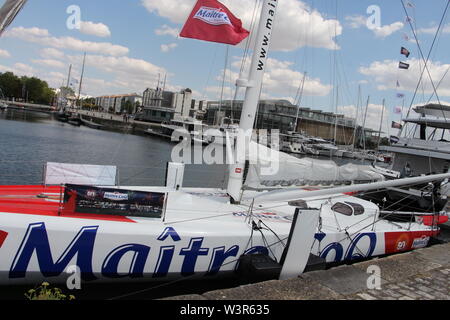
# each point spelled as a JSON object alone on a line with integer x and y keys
{"x": 4, "y": 54}
{"x": 42, "y": 37}
{"x": 281, "y": 81}
{"x": 305, "y": 26}
{"x": 386, "y": 73}
{"x": 359, "y": 21}
{"x": 49, "y": 63}
{"x": 51, "y": 53}
{"x": 356, "y": 21}
{"x": 432, "y": 30}
{"x": 387, "y": 30}
{"x": 168, "y": 47}
{"x": 165, "y": 30}
{"x": 373, "y": 118}
{"x": 95, "y": 29}
{"x": 124, "y": 74}
{"x": 280, "y": 78}
{"x": 19, "y": 69}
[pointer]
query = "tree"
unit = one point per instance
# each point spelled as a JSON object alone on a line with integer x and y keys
{"x": 127, "y": 107}
{"x": 88, "y": 103}
{"x": 67, "y": 91}
{"x": 34, "y": 89}
{"x": 10, "y": 85}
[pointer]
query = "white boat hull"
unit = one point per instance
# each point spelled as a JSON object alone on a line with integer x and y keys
{"x": 194, "y": 237}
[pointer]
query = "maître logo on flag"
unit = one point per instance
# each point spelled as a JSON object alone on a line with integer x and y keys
{"x": 212, "y": 16}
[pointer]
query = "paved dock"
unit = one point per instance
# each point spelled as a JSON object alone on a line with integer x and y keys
{"x": 422, "y": 274}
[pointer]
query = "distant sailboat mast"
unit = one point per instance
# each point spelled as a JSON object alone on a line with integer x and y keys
{"x": 356, "y": 118}
{"x": 381, "y": 124}
{"x": 363, "y": 135}
{"x": 81, "y": 79}
{"x": 68, "y": 77}
{"x": 299, "y": 102}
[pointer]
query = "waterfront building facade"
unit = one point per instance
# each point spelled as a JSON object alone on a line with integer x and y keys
{"x": 282, "y": 115}
{"x": 129, "y": 103}
{"x": 162, "y": 106}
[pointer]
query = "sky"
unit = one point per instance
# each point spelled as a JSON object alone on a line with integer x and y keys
{"x": 346, "y": 51}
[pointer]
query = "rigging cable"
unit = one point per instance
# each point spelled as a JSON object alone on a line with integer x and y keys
{"x": 422, "y": 55}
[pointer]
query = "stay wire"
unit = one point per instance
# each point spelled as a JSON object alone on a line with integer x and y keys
{"x": 421, "y": 53}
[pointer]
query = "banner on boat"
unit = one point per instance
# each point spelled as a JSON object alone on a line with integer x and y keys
{"x": 93, "y": 200}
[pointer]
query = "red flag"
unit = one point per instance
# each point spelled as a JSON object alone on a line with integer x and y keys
{"x": 211, "y": 21}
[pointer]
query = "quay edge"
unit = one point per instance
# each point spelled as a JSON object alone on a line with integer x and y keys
{"x": 423, "y": 274}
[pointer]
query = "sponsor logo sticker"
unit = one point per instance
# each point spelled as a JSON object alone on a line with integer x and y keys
{"x": 420, "y": 242}
{"x": 116, "y": 196}
{"x": 212, "y": 16}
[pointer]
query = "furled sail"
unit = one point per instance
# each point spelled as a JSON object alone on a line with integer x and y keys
{"x": 269, "y": 168}
{"x": 8, "y": 12}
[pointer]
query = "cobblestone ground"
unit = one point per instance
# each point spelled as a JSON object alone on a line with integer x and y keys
{"x": 420, "y": 275}
{"x": 433, "y": 285}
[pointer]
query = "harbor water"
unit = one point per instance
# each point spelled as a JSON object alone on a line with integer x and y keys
{"x": 28, "y": 140}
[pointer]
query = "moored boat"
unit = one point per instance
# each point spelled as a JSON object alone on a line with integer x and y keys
{"x": 111, "y": 233}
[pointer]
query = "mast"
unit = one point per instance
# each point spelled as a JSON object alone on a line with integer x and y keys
{"x": 381, "y": 124}
{"x": 68, "y": 76}
{"x": 336, "y": 120}
{"x": 356, "y": 119}
{"x": 219, "y": 120}
{"x": 81, "y": 79}
{"x": 364, "y": 123}
{"x": 253, "y": 91}
{"x": 299, "y": 102}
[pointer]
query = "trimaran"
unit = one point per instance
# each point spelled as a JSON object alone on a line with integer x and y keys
{"x": 157, "y": 233}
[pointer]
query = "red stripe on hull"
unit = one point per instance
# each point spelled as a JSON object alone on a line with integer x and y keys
{"x": 25, "y": 200}
{"x": 3, "y": 236}
{"x": 405, "y": 241}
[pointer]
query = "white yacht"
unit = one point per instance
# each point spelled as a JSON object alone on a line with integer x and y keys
{"x": 424, "y": 147}
{"x": 217, "y": 134}
{"x": 181, "y": 128}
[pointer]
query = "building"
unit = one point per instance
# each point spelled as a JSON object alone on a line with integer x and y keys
{"x": 163, "y": 106}
{"x": 120, "y": 103}
{"x": 282, "y": 115}
{"x": 157, "y": 97}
